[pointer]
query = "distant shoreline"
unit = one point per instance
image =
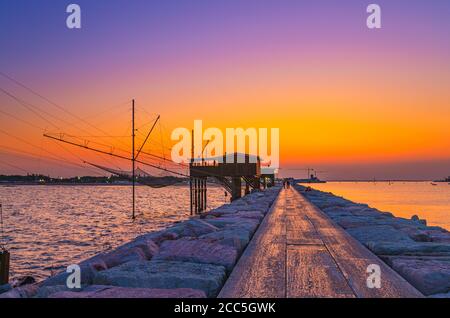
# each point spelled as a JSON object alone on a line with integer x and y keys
{"x": 12, "y": 184}
{"x": 383, "y": 181}
{"x": 74, "y": 184}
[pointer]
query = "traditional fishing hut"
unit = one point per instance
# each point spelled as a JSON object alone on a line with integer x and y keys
{"x": 229, "y": 171}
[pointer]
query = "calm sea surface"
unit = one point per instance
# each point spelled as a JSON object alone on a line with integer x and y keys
{"x": 403, "y": 199}
{"x": 50, "y": 227}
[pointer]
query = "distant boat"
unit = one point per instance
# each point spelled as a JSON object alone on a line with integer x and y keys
{"x": 433, "y": 184}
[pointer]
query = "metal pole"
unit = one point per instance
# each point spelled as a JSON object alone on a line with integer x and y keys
{"x": 133, "y": 160}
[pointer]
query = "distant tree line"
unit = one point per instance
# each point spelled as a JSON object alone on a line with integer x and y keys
{"x": 41, "y": 179}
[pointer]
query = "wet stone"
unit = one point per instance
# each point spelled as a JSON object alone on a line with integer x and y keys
{"x": 198, "y": 251}
{"x": 123, "y": 292}
{"x": 430, "y": 276}
{"x": 165, "y": 275}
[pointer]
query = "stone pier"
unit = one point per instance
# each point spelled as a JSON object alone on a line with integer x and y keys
{"x": 298, "y": 252}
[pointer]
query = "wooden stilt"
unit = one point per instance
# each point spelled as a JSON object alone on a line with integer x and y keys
{"x": 190, "y": 194}
{"x": 236, "y": 188}
{"x": 4, "y": 267}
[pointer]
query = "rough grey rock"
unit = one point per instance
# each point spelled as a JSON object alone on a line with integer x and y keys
{"x": 255, "y": 207}
{"x": 49, "y": 291}
{"x": 439, "y": 236}
{"x": 27, "y": 291}
{"x": 146, "y": 245}
{"x": 88, "y": 271}
{"x": 417, "y": 235}
{"x": 348, "y": 222}
{"x": 330, "y": 202}
{"x": 226, "y": 208}
{"x": 5, "y": 288}
{"x": 430, "y": 276}
{"x": 198, "y": 251}
{"x": 165, "y": 275}
{"x": 249, "y": 224}
{"x": 378, "y": 233}
{"x": 231, "y": 236}
{"x": 192, "y": 228}
{"x": 124, "y": 292}
{"x": 46, "y": 291}
{"x": 334, "y": 212}
{"x": 159, "y": 237}
{"x": 416, "y": 219}
{"x": 118, "y": 257}
{"x": 25, "y": 280}
{"x": 247, "y": 215}
{"x": 410, "y": 248}
{"x": 445, "y": 295}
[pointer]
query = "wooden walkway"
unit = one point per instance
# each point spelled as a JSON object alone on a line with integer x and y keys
{"x": 299, "y": 252}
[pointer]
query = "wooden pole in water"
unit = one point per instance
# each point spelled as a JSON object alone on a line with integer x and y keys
{"x": 133, "y": 160}
{"x": 204, "y": 193}
{"x": 198, "y": 195}
{"x": 4, "y": 255}
{"x": 4, "y": 267}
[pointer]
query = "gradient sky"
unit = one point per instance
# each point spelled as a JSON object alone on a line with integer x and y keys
{"x": 354, "y": 102}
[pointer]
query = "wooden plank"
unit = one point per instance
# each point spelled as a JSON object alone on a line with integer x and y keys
{"x": 261, "y": 270}
{"x": 312, "y": 273}
{"x": 299, "y": 230}
{"x": 303, "y": 241}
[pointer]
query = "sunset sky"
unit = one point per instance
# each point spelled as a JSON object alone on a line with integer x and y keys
{"x": 350, "y": 101}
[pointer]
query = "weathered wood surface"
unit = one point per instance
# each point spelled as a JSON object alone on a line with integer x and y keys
{"x": 261, "y": 270}
{"x": 299, "y": 252}
{"x": 312, "y": 272}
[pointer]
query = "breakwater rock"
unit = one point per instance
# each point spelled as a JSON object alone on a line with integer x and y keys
{"x": 190, "y": 259}
{"x": 419, "y": 253}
